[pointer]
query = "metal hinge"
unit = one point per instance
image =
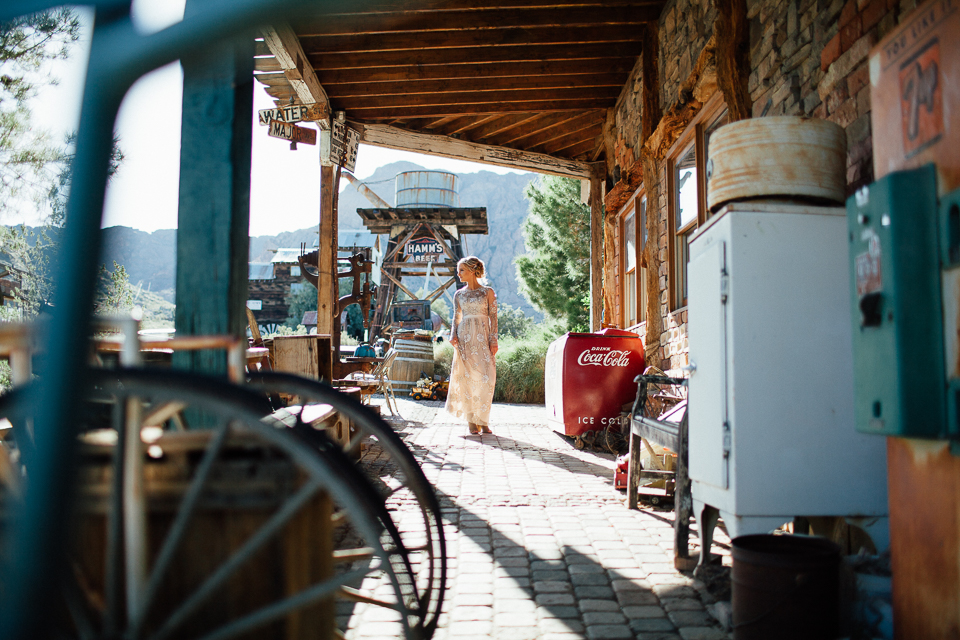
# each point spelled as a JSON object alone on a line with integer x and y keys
{"x": 726, "y": 439}
{"x": 724, "y": 288}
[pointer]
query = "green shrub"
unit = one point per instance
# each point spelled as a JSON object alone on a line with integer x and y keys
{"x": 520, "y": 364}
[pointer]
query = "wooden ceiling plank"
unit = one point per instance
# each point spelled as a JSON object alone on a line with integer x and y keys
{"x": 332, "y": 77}
{"x": 524, "y": 122}
{"x": 432, "y": 6}
{"x": 283, "y": 43}
{"x": 482, "y": 126}
{"x": 375, "y": 113}
{"x": 563, "y": 140}
{"x": 501, "y": 18}
{"x": 539, "y": 125}
{"x": 578, "y": 122}
{"x": 546, "y": 54}
{"x": 464, "y": 85}
{"x": 584, "y": 150}
{"x": 478, "y": 98}
{"x": 460, "y": 38}
{"x": 390, "y": 137}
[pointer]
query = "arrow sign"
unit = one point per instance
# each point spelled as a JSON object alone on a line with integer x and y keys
{"x": 291, "y": 132}
{"x": 293, "y": 113}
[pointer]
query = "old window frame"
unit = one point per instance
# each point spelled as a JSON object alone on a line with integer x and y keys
{"x": 693, "y": 138}
{"x": 635, "y": 208}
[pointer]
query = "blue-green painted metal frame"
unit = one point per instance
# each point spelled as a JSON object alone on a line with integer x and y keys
{"x": 119, "y": 55}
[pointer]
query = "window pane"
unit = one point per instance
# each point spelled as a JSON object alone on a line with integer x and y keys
{"x": 630, "y": 242}
{"x": 630, "y": 299}
{"x": 643, "y": 220}
{"x": 687, "y": 188}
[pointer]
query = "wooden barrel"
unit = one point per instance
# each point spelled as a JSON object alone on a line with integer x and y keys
{"x": 778, "y": 157}
{"x": 413, "y": 358}
{"x": 243, "y": 492}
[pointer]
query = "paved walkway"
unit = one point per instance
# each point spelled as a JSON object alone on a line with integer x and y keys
{"x": 540, "y": 543}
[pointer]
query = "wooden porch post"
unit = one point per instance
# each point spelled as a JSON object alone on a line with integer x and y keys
{"x": 326, "y": 265}
{"x": 596, "y": 253}
{"x": 214, "y": 205}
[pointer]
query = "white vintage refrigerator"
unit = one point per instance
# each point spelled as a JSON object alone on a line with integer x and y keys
{"x": 771, "y": 424}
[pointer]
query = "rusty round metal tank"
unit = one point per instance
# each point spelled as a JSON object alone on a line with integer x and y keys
{"x": 777, "y": 157}
{"x": 427, "y": 190}
{"x": 785, "y": 587}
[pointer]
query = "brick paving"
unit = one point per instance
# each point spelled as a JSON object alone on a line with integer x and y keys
{"x": 540, "y": 544}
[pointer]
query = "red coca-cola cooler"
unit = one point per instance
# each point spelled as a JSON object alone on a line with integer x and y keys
{"x": 589, "y": 377}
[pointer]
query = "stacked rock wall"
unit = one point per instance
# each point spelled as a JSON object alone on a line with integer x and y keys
{"x": 806, "y": 57}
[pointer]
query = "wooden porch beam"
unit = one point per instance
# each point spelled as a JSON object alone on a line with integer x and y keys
{"x": 284, "y": 44}
{"x": 393, "y": 138}
{"x": 596, "y": 253}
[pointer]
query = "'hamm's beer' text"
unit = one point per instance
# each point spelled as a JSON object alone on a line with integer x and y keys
{"x": 604, "y": 357}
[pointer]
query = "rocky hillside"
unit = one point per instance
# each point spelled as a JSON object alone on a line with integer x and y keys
{"x": 150, "y": 258}
{"x": 502, "y": 195}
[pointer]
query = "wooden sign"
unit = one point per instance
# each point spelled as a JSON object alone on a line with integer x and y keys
{"x": 291, "y": 132}
{"x": 292, "y": 113}
{"x": 344, "y": 143}
{"x": 424, "y": 250}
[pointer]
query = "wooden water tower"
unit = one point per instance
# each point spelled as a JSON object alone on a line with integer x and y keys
{"x": 425, "y": 229}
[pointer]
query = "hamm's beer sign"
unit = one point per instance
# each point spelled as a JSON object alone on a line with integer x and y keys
{"x": 424, "y": 250}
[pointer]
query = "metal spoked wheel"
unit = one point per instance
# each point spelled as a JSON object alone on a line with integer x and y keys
{"x": 239, "y": 529}
{"x": 397, "y": 475}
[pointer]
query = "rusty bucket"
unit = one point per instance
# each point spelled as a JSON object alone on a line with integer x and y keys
{"x": 785, "y": 587}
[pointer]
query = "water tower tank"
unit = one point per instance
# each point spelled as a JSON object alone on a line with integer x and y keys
{"x": 427, "y": 190}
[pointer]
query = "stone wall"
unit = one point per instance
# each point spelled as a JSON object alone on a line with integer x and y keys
{"x": 806, "y": 57}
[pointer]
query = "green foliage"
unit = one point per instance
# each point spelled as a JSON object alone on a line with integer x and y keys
{"x": 299, "y": 302}
{"x": 520, "y": 363}
{"x": 512, "y": 322}
{"x": 114, "y": 294}
{"x": 26, "y": 154}
{"x": 554, "y": 273}
{"x": 283, "y": 330}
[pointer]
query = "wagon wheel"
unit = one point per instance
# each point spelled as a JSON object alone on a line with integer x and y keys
{"x": 423, "y": 536}
{"x": 155, "y": 575}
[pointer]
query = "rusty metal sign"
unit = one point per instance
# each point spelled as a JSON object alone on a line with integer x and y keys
{"x": 287, "y": 131}
{"x": 292, "y": 113}
{"x": 344, "y": 143}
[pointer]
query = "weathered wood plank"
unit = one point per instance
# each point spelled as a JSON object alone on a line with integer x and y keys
{"x": 537, "y": 129}
{"x": 586, "y": 66}
{"x": 326, "y": 289}
{"x": 650, "y": 82}
{"x": 284, "y": 44}
{"x": 596, "y": 253}
{"x": 478, "y": 99}
{"x": 322, "y": 62}
{"x": 469, "y": 85}
{"x": 535, "y": 36}
{"x": 393, "y": 138}
{"x": 733, "y": 57}
{"x": 376, "y": 112}
{"x": 468, "y": 19}
{"x": 430, "y": 6}
{"x": 563, "y": 141}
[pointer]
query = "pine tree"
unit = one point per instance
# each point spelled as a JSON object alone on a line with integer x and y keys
{"x": 554, "y": 274}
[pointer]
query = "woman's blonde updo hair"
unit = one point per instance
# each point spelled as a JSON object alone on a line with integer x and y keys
{"x": 474, "y": 264}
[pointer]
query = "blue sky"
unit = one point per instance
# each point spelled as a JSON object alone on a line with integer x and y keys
{"x": 143, "y": 195}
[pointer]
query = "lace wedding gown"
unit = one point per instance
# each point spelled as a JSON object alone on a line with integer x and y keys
{"x": 474, "y": 371}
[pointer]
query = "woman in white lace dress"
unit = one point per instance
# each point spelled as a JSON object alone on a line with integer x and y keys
{"x": 473, "y": 335}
